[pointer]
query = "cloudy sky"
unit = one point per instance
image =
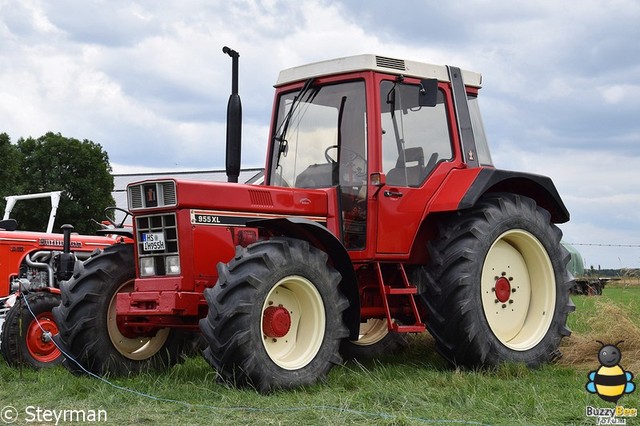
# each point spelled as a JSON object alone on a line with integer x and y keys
{"x": 148, "y": 81}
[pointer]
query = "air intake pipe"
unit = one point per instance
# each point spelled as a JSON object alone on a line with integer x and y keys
{"x": 234, "y": 121}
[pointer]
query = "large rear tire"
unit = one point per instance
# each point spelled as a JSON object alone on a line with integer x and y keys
{"x": 26, "y": 341}
{"x": 497, "y": 286}
{"x": 275, "y": 316}
{"x": 87, "y": 321}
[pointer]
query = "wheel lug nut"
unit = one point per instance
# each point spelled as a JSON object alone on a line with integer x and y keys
{"x": 497, "y": 301}
{"x": 513, "y": 290}
{"x": 504, "y": 306}
{"x": 510, "y": 301}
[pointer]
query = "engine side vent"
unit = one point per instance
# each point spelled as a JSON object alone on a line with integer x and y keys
{"x": 396, "y": 64}
{"x": 260, "y": 198}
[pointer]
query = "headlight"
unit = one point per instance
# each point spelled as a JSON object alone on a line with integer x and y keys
{"x": 147, "y": 267}
{"x": 172, "y": 265}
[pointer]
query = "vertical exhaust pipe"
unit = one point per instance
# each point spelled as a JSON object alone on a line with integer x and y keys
{"x": 66, "y": 260}
{"x": 234, "y": 121}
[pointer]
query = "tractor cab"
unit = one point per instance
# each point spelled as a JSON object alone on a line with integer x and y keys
{"x": 375, "y": 129}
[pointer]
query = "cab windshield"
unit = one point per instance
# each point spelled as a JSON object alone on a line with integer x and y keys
{"x": 320, "y": 139}
{"x": 320, "y": 142}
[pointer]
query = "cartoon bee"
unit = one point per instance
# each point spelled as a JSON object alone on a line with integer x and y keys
{"x": 610, "y": 381}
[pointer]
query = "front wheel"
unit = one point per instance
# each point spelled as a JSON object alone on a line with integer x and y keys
{"x": 28, "y": 330}
{"x": 275, "y": 316}
{"x": 88, "y": 325}
{"x": 497, "y": 286}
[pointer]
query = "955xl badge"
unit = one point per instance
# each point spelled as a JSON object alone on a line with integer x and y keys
{"x": 217, "y": 218}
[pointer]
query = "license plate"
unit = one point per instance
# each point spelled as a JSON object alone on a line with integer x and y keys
{"x": 153, "y": 241}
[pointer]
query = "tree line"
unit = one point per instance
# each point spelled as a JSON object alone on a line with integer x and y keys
{"x": 54, "y": 162}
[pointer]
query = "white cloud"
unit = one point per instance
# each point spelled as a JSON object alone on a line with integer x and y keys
{"x": 619, "y": 93}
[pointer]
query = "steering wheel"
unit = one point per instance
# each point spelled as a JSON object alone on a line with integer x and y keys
{"x": 127, "y": 213}
{"x": 354, "y": 155}
{"x": 356, "y": 175}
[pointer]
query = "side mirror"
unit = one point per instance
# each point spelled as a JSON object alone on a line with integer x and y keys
{"x": 428, "y": 96}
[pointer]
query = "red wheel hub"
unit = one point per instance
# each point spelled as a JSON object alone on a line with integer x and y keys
{"x": 276, "y": 321}
{"x": 39, "y": 342}
{"x": 503, "y": 289}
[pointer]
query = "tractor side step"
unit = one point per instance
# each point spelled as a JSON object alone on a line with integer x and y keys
{"x": 404, "y": 290}
{"x": 417, "y": 328}
{"x": 407, "y": 290}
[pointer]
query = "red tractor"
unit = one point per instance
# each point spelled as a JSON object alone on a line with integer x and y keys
{"x": 381, "y": 214}
{"x": 32, "y": 265}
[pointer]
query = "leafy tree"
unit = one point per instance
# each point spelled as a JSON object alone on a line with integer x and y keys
{"x": 9, "y": 168}
{"x": 79, "y": 168}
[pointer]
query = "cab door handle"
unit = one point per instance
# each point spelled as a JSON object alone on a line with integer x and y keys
{"x": 388, "y": 193}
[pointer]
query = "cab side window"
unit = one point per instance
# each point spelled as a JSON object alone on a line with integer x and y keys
{"x": 414, "y": 138}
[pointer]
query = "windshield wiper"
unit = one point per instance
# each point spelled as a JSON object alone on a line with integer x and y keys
{"x": 280, "y": 135}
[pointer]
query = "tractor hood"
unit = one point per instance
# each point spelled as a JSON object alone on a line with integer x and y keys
{"x": 231, "y": 198}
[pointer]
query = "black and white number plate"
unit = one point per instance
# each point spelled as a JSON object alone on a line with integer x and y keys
{"x": 153, "y": 241}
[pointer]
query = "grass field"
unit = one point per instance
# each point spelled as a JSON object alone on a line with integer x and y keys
{"x": 413, "y": 388}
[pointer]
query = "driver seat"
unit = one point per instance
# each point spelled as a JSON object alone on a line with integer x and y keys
{"x": 404, "y": 174}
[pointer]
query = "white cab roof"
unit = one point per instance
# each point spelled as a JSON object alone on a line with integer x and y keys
{"x": 373, "y": 63}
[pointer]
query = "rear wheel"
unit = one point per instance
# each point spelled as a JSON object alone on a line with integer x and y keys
{"x": 374, "y": 341}
{"x": 27, "y": 337}
{"x": 89, "y": 331}
{"x": 497, "y": 287}
{"x": 275, "y": 316}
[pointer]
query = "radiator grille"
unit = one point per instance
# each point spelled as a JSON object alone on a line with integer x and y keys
{"x": 165, "y": 224}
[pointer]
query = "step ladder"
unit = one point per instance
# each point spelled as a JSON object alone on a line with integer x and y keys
{"x": 406, "y": 289}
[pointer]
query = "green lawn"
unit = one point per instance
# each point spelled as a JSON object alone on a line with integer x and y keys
{"x": 416, "y": 387}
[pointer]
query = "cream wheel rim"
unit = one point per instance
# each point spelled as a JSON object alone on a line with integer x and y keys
{"x": 136, "y": 349}
{"x": 297, "y": 345}
{"x": 518, "y": 290}
{"x": 371, "y": 332}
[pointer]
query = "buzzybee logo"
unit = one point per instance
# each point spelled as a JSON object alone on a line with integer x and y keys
{"x": 610, "y": 382}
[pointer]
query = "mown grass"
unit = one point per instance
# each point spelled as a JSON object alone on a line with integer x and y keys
{"x": 416, "y": 387}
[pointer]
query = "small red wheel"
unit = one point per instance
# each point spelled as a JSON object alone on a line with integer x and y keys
{"x": 39, "y": 338}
